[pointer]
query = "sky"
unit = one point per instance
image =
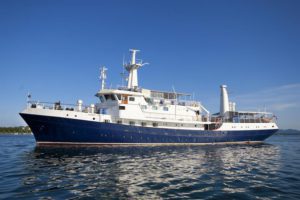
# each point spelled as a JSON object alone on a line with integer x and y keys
{"x": 54, "y": 49}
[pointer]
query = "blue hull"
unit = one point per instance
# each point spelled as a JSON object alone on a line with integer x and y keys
{"x": 63, "y": 130}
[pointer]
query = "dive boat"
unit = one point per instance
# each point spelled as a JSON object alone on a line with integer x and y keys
{"x": 131, "y": 115}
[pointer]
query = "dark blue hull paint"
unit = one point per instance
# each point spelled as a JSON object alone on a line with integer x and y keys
{"x": 64, "y": 130}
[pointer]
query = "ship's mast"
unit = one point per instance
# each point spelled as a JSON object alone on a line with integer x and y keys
{"x": 132, "y": 70}
{"x": 103, "y": 76}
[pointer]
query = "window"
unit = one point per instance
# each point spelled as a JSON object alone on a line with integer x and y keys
{"x": 113, "y": 97}
{"x": 118, "y": 96}
{"x": 106, "y": 121}
{"x": 121, "y": 107}
{"x": 119, "y": 121}
{"x": 149, "y": 100}
{"x": 144, "y": 124}
{"x": 103, "y": 111}
{"x": 109, "y": 97}
{"x": 131, "y": 98}
{"x": 166, "y": 109}
{"x": 143, "y": 107}
{"x": 102, "y": 99}
{"x": 155, "y": 124}
{"x": 154, "y": 107}
{"x": 131, "y": 123}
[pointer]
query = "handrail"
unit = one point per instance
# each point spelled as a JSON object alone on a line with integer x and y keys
{"x": 60, "y": 106}
{"x": 45, "y": 102}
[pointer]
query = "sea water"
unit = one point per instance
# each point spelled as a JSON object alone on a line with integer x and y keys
{"x": 270, "y": 170}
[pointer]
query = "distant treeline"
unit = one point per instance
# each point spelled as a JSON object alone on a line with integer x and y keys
{"x": 18, "y": 129}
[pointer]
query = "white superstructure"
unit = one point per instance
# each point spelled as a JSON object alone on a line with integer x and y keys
{"x": 137, "y": 106}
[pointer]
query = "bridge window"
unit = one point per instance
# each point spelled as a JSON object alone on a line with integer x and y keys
{"x": 131, "y": 98}
{"x": 166, "y": 109}
{"x": 110, "y": 97}
{"x": 118, "y": 96}
{"x": 102, "y": 99}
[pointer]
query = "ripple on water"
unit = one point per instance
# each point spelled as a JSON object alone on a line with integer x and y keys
{"x": 192, "y": 172}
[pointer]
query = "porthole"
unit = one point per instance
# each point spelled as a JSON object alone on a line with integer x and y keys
{"x": 155, "y": 124}
{"x": 93, "y": 118}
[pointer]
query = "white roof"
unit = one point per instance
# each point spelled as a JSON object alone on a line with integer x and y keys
{"x": 116, "y": 91}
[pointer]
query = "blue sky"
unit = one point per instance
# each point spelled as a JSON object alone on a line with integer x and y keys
{"x": 54, "y": 50}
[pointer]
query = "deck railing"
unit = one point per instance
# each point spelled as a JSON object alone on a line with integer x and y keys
{"x": 61, "y": 106}
{"x": 262, "y": 119}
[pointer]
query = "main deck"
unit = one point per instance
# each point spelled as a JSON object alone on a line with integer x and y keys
{"x": 58, "y": 130}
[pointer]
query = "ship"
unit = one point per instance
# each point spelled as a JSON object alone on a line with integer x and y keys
{"x": 132, "y": 115}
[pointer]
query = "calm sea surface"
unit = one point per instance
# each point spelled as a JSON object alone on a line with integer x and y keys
{"x": 264, "y": 171}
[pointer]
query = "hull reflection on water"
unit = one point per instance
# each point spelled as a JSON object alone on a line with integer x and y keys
{"x": 152, "y": 172}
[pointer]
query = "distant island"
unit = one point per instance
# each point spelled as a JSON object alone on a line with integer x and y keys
{"x": 17, "y": 129}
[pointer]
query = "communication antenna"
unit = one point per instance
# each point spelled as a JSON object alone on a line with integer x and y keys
{"x": 103, "y": 76}
{"x": 123, "y": 73}
{"x": 123, "y": 77}
{"x": 124, "y": 61}
{"x": 174, "y": 91}
{"x": 175, "y": 102}
{"x": 132, "y": 68}
{"x": 28, "y": 97}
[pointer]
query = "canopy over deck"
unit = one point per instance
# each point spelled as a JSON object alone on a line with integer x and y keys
{"x": 253, "y": 113}
{"x": 167, "y": 95}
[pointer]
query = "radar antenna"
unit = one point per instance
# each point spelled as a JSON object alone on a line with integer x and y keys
{"x": 103, "y": 76}
{"x": 132, "y": 69}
